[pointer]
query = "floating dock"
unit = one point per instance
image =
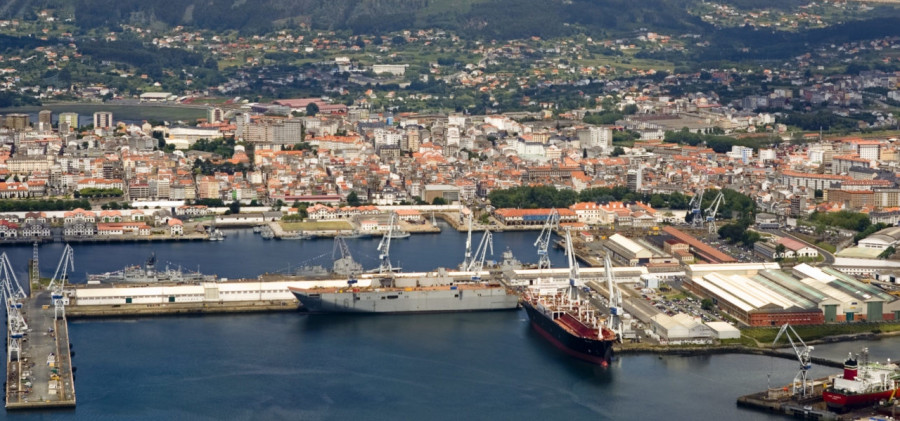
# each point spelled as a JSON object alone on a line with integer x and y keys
{"x": 41, "y": 377}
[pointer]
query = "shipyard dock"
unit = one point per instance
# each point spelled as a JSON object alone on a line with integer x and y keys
{"x": 780, "y": 401}
{"x": 42, "y": 376}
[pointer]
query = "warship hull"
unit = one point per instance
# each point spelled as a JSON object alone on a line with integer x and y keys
{"x": 410, "y": 300}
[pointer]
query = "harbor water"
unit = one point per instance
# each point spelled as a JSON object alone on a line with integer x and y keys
{"x": 443, "y": 366}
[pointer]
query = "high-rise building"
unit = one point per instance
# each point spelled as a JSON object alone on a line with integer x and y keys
{"x": 635, "y": 179}
{"x": 17, "y": 121}
{"x": 214, "y": 115}
{"x": 45, "y": 120}
{"x": 71, "y": 119}
{"x": 412, "y": 139}
{"x": 103, "y": 120}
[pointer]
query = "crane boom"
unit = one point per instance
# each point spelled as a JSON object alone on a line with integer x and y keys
{"x": 543, "y": 241}
{"x": 385, "y": 248}
{"x": 801, "y": 385}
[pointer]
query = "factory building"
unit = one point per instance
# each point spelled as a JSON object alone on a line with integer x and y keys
{"x": 759, "y": 294}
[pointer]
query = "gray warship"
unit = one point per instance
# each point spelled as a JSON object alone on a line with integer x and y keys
{"x": 430, "y": 293}
{"x": 148, "y": 274}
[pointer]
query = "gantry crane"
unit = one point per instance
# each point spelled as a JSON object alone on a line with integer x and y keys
{"x": 66, "y": 263}
{"x": 712, "y": 211}
{"x": 13, "y": 296}
{"x": 543, "y": 241}
{"x": 696, "y": 209}
{"x": 574, "y": 276}
{"x": 467, "y": 259}
{"x": 801, "y": 385}
{"x": 614, "y": 322}
{"x": 384, "y": 247}
{"x": 477, "y": 262}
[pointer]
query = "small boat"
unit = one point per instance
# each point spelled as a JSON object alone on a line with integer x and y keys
{"x": 399, "y": 234}
{"x": 297, "y": 235}
{"x": 267, "y": 233}
{"x": 257, "y": 228}
{"x": 216, "y": 235}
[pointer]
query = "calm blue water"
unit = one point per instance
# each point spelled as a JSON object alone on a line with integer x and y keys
{"x": 449, "y": 366}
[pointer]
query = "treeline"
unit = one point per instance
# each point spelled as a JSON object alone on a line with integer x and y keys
{"x": 824, "y": 120}
{"x": 42, "y": 205}
{"x": 718, "y": 143}
{"x": 92, "y": 192}
{"x": 150, "y": 60}
{"x": 533, "y": 197}
{"x": 842, "y": 219}
{"x": 206, "y": 167}
{"x": 220, "y": 146}
{"x": 13, "y": 99}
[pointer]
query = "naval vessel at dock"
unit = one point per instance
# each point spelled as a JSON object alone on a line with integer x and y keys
{"x": 433, "y": 292}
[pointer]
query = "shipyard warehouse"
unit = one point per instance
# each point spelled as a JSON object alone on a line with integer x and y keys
{"x": 763, "y": 294}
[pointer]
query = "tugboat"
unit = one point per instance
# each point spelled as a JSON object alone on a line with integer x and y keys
{"x": 862, "y": 385}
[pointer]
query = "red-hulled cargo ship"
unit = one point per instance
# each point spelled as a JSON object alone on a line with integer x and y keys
{"x": 861, "y": 385}
{"x": 571, "y": 325}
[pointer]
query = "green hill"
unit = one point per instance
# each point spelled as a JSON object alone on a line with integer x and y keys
{"x": 501, "y": 19}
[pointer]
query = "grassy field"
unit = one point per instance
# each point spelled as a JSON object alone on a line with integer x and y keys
{"x": 316, "y": 226}
{"x": 808, "y": 333}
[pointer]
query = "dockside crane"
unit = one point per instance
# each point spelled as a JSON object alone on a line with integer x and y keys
{"x": 467, "y": 259}
{"x": 13, "y": 296}
{"x": 344, "y": 265}
{"x": 384, "y": 247}
{"x": 574, "y": 276}
{"x": 614, "y": 322}
{"x": 696, "y": 209}
{"x": 477, "y": 262}
{"x": 712, "y": 211}
{"x": 66, "y": 263}
{"x": 543, "y": 241}
{"x": 801, "y": 385}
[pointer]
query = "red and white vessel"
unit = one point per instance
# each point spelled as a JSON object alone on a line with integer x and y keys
{"x": 862, "y": 385}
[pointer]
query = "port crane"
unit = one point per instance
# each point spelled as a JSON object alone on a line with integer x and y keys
{"x": 712, "y": 211}
{"x": 13, "y": 296}
{"x": 66, "y": 263}
{"x": 543, "y": 241}
{"x": 696, "y": 209}
{"x": 801, "y": 385}
{"x": 574, "y": 276}
{"x": 345, "y": 265}
{"x": 477, "y": 262}
{"x": 384, "y": 248}
{"x": 467, "y": 259}
{"x": 614, "y": 322}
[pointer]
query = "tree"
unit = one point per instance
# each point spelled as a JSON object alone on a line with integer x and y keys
{"x": 438, "y": 201}
{"x": 706, "y": 304}
{"x": 887, "y": 253}
{"x": 617, "y": 151}
{"x": 235, "y": 207}
{"x": 312, "y": 109}
{"x": 353, "y": 199}
{"x": 779, "y": 251}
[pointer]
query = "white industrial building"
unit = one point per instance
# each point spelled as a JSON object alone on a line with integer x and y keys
{"x": 679, "y": 329}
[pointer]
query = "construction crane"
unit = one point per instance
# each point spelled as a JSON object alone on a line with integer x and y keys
{"x": 543, "y": 241}
{"x": 66, "y": 263}
{"x": 712, "y": 211}
{"x": 384, "y": 247}
{"x": 696, "y": 210}
{"x": 467, "y": 259}
{"x": 614, "y": 322}
{"x": 477, "y": 262}
{"x": 801, "y": 385}
{"x": 13, "y": 295}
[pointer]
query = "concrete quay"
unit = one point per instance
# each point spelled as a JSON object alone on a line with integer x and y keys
{"x": 99, "y": 311}
{"x": 42, "y": 377}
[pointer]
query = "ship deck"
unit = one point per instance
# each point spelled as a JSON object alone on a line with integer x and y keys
{"x": 574, "y": 326}
{"x": 459, "y": 287}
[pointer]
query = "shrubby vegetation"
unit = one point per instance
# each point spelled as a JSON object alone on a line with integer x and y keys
{"x": 842, "y": 219}
{"x": 42, "y": 205}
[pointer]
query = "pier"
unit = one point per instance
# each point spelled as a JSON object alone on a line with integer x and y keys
{"x": 40, "y": 377}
